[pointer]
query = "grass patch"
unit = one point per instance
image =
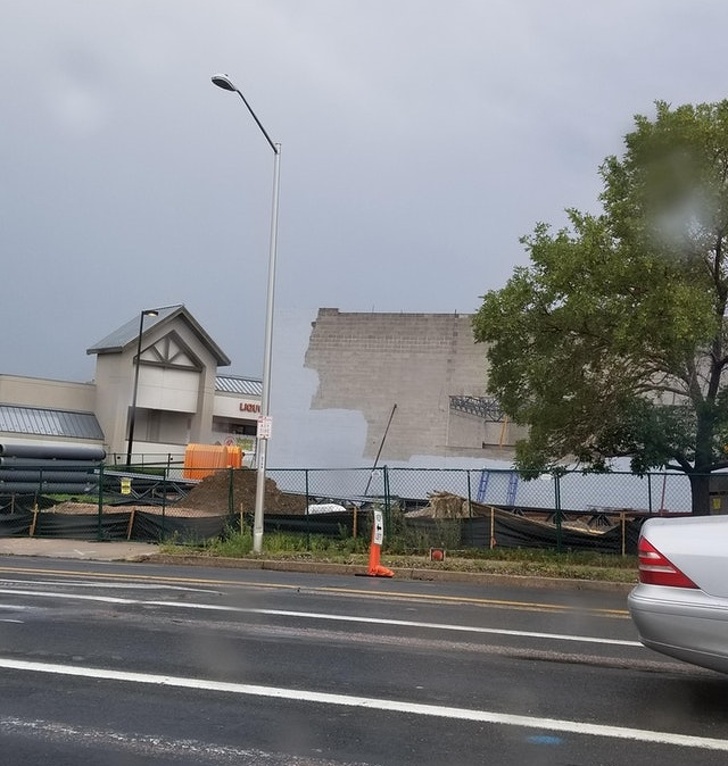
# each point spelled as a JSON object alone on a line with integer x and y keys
{"x": 282, "y": 546}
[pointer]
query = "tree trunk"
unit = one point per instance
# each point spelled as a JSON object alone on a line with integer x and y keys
{"x": 700, "y": 490}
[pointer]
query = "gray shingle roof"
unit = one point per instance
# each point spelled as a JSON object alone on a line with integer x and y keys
{"x": 128, "y": 333}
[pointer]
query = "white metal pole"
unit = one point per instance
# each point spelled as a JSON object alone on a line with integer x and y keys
{"x": 264, "y": 425}
{"x": 264, "y": 421}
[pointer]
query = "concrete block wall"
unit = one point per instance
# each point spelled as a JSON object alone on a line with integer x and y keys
{"x": 371, "y": 361}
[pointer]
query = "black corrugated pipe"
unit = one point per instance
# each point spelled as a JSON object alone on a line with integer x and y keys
{"x": 46, "y": 475}
{"x": 46, "y": 488}
{"x": 41, "y": 464}
{"x": 61, "y": 451}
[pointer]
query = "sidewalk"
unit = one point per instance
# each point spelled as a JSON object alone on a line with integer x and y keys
{"x": 77, "y": 549}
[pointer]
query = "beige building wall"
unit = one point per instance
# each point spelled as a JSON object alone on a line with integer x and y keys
{"x": 113, "y": 397}
{"x": 41, "y": 392}
{"x": 235, "y": 406}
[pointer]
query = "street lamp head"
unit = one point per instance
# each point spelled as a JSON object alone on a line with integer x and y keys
{"x": 150, "y": 313}
{"x": 224, "y": 82}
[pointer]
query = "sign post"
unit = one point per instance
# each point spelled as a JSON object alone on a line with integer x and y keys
{"x": 375, "y": 568}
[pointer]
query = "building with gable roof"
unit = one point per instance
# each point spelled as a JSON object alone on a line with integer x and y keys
{"x": 182, "y": 397}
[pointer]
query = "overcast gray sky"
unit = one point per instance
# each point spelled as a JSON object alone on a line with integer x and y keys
{"x": 420, "y": 140}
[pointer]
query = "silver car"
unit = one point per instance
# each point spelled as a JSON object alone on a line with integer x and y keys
{"x": 680, "y": 607}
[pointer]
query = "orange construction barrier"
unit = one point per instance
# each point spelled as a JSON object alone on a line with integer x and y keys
{"x": 375, "y": 568}
{"x": 204, "y": 459}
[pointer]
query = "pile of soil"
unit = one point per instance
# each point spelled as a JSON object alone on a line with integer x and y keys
{"x": 211, "y": 497}
{"x": 212, "y": 494}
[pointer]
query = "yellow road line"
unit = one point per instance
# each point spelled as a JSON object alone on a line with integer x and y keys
{"x": 346, "y": 592}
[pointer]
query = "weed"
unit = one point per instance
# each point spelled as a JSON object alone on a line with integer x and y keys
{"x": 412, "y": 552}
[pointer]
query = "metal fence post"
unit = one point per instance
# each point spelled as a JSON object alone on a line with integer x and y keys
{"x": 387, "y": 500}
{"x": 167, "y": 470}
{"x": 470, "y": 496}
{"x": 231, "y": 493}
{"x": 308, "y": 502}
{"x": 101, "y": 501}
{"x": 649, "y": 492}
{"x": 557, "y": 502}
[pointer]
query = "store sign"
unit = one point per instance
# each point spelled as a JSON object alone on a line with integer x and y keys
{"x": 252, "y": 407}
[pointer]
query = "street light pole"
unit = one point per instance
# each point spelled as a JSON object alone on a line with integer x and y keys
{"x": 264, "y": 421}
{"x": 132, "y": 414}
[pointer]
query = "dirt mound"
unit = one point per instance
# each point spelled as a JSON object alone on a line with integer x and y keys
{"x": 211, "y": 497}
{"x": 213, "y": 493}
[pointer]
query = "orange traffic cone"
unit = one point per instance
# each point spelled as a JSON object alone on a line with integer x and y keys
{"x": 375, "y": 568}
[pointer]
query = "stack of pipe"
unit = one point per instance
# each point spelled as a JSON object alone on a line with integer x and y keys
{"x": 62, "y": 469}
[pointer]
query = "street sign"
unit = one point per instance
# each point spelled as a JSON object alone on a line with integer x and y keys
{"x": 264, "y": 426}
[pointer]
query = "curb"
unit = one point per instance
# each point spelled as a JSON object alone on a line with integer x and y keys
{"x": 425, "y": 575}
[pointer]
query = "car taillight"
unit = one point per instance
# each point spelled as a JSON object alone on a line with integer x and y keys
{"x": 656, "y": 569}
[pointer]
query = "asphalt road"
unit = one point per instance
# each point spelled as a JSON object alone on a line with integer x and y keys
{"x": 119, "y": 664}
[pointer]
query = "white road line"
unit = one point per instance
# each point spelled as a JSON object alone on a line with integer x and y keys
{"x": 448, "y": 626}
{"x": 67, "y": 596}
{"x": 111, "y": 585}
{"x": 370, "y": 703}
{"x": 329, "y": 617}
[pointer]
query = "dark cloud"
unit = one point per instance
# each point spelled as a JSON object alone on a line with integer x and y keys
{"x": 420, "y": 140}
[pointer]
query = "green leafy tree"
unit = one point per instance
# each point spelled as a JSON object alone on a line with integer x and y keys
{"x": 612, "y": 342}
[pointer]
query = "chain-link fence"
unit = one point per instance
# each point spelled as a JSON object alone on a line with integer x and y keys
{"x": 570, "y": 491}
{"x": 465, "y": 508}
{"x": 456, "y": 508}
